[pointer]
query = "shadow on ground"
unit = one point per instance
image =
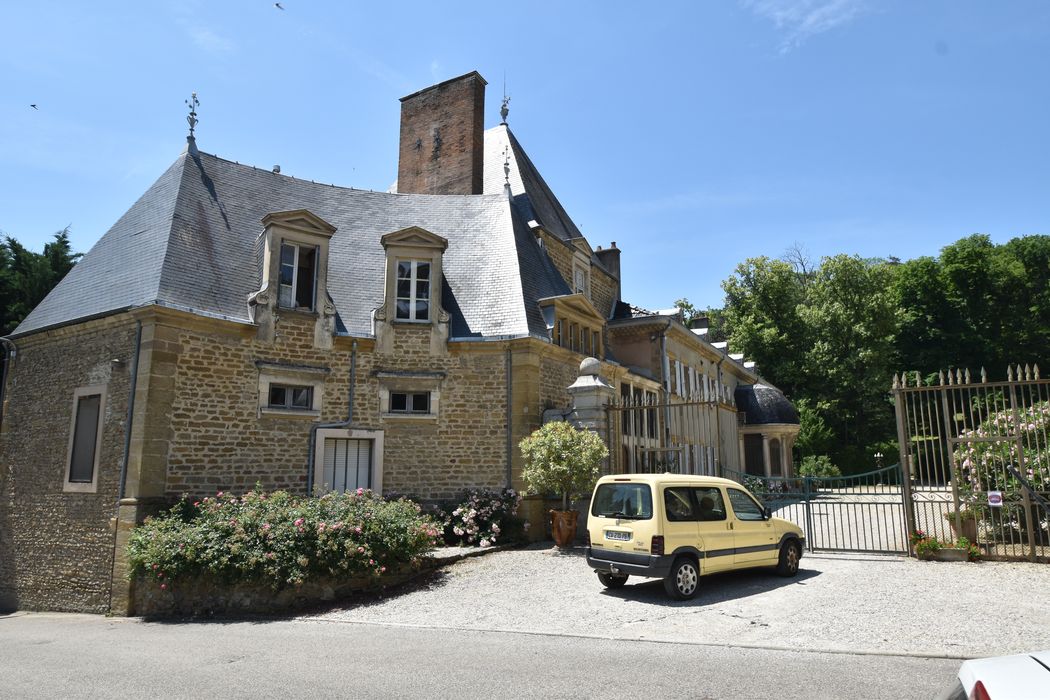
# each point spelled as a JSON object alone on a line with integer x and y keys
{"x": 714, "y": 588}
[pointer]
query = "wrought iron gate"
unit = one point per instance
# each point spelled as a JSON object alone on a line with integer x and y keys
{"x": 977, "y": 459}
{"x": 855, "y": 513}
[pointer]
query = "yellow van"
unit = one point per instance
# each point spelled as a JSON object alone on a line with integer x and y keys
{"x": 679, "y": 528}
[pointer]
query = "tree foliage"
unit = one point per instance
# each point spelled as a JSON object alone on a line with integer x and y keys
{"x": 831, "y": 335}
{"x": 563, "y": 460}
{"x": 26, "y": 277}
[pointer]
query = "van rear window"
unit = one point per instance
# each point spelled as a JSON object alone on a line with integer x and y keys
{"x": 633, "y": 501}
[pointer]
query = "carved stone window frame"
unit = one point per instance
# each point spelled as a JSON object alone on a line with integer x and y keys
{"x": 418, "y": 245}
{"x": 296, "y": 375}
{"x": 303, "y": 228}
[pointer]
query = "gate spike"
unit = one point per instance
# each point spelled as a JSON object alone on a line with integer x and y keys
{"x": 896, "y": 381}
{"x": 940, "y": 377}
{"x": 1035, "y": 372}
{"x": 1028, "y": 372}
{"x": 958, "y": 376}
{"x": 1009, "y": 373}
{"x": 967, "y": 375}
{"x": 918, "y": 378}
{"x": 984, "y": 376}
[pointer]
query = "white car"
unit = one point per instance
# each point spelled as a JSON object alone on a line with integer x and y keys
{"x": 1015, "y": 677}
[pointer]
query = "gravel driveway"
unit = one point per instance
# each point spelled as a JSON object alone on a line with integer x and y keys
{"x": 837, "y": 603}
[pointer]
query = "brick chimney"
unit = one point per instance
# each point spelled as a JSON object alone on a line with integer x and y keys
{"x": 442, "y": 138}
{"x": 610, "y": 258}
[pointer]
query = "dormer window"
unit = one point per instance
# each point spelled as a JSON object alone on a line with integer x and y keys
{"x": 298, "y": 276}
{"x": 293, "y": 252}
{"x": 580, "y": 280}
{"x": 413, "y": 290}
{"x": 412, "y": 298}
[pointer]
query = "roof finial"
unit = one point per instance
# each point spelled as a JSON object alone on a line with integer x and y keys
{"x": 504, "y": 110}
{"x": 191, "y": 118}
{"x": 506, "y": 172}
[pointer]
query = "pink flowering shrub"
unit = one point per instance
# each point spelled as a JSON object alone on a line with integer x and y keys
{"x": 982, "y": 468}
{"x": 280, "y": 538}
{"x": 483, "y": 518}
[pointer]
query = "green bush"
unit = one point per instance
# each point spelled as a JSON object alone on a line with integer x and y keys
{"x": 815, "y": 466}
{"x": 279, "y": 538}
{"x": 563, "y": 460}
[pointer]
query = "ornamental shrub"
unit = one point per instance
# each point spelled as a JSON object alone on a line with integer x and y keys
{"x": 563, "y": 460}
{"x": 815, "y": 466}
{"x": 483, "y": 518}
{"x": 279, "y": 538}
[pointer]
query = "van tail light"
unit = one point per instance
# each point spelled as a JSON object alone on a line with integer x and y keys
{"x": 979, "y": 693}
{"x": 657, "y": 546}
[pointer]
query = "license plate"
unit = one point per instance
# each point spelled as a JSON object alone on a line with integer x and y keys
{"x": 619, "y": 536}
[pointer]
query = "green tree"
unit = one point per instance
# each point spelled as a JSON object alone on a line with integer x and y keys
{"x": 763, "y": 299}
{"x": 27, "y": 277}
{"x": 563, "y": 460}
{"x": 976, "y": 305}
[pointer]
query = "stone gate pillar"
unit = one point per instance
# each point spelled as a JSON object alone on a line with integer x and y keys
{"x": 590, "y": 395}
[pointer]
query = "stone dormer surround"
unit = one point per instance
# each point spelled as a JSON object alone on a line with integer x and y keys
{"x": 412, "y": 244}
{"x": 304, "y": 228}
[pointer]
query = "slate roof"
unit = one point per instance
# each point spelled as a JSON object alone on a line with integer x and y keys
{"x": 764, "y": 405}
{"x": 190, "y": 242}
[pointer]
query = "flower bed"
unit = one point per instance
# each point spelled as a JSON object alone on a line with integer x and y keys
{"x": 277, "y": 542}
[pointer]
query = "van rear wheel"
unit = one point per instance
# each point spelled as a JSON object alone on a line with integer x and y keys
{"x": 683, "y": 581}
{"x": 612, "y": 580}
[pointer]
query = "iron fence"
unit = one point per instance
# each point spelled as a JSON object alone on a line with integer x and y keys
{"x": 977, "y": 459}
{"x": 854, "y": 513}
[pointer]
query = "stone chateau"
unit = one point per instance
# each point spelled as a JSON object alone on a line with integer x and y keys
{"x": 238, "y": 326}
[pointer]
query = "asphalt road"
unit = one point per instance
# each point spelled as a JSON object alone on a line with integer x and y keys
{"x": 56, "y": 655}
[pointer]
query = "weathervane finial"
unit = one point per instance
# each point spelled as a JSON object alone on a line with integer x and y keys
{"x": 191, "y": 118}
{"x": 504, "y": 110}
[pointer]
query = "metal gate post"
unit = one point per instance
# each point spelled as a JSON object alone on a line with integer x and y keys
{"x": 809, "y": 512}
{"x": 908, "y": 504}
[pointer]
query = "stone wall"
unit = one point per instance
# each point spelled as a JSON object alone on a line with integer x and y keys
{"x": 221, "y": 441}
{"x": 56, "y": 547}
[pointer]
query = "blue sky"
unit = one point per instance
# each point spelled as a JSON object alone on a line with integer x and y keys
{"x": 694, "y": 134}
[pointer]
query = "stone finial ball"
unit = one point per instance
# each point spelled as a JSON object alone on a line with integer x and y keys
{"x": 590, "y": 366}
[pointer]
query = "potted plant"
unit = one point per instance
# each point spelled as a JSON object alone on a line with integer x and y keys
{"x": 967, "y": 523}
{"x": 563, "y": 460}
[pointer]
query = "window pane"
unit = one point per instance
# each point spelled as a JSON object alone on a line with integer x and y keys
{"x": 287, "y": 254}
{"x": 301, "y": 396}
{"x": 399, "y": 402}
{"x": 286, "y": 298}
{"x": 85, "y": 435}
{"x": 421, "y": 403}
{"x": 304, "y": 291}
{"x": 422, "y": 310}
{"x": 403, "y": 308}
{"x": 422, "y": 270}
{"x": 712, "y": 507}
{"x": 422, "y": 290}
{"x": 278, "y": 396}
{"x": 678, "y": 505}
{"x": 744, "y": 507}
{"x": 404, "y": 269}
{"x": 404, "y": 289}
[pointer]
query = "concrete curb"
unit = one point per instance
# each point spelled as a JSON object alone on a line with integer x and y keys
{"x": 610, "y": 638}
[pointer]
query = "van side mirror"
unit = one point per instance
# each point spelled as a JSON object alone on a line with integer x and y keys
{"x": 768, "y": 512}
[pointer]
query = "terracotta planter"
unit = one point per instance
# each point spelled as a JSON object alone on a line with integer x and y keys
{"x": 563, "y": 527}
{"x": 969, "y": 529}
